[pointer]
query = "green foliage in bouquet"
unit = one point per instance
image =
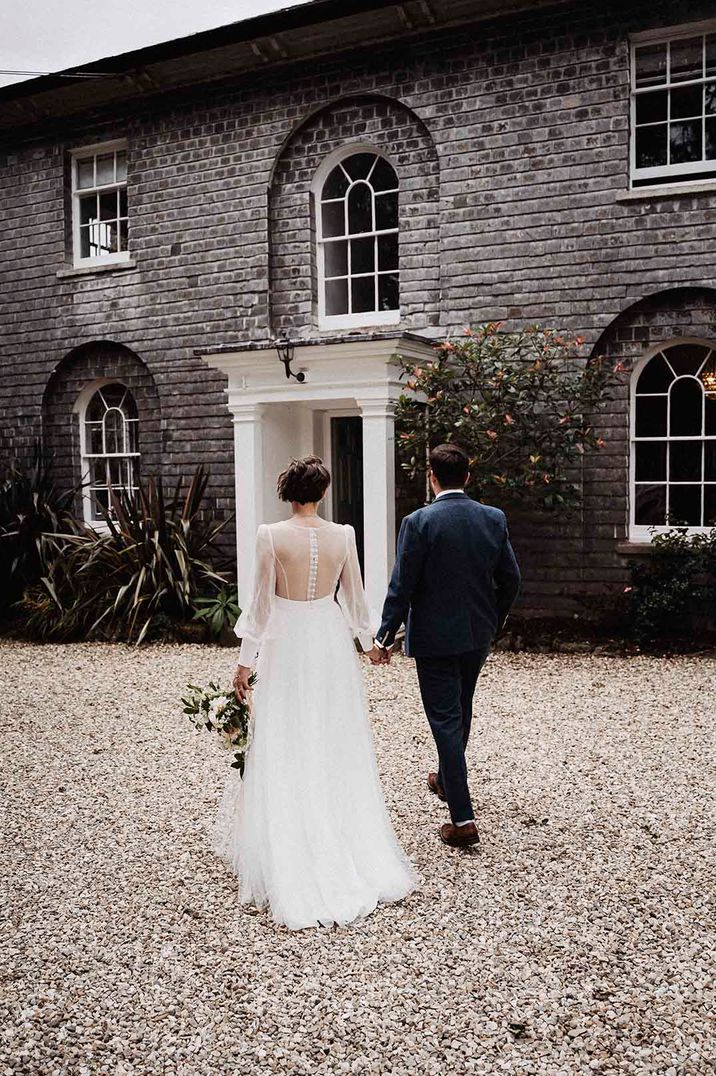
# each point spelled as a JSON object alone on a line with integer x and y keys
{"x": 673, "y": 591}
{"x": 219, "y": 711}
{"x": 152, "y": 563}
{"x": 32, "y": 512}
{"x": 219, "y": 611}
{"x": 520, "y": 403}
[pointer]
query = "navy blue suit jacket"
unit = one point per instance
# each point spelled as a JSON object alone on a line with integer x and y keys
{"x": 455, "y": 578}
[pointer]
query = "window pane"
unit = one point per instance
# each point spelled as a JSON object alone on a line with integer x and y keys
{"x": 710, "y": 98}
{"x": 650, "y": 461}
{"x": 651, "y": 416}
{"x": 98, "y": 472}
{"x": 336, "y": 255}
{"x": 710, "y": 461}
{"x": 685, "y": 505}
{"x": 651, "y": 107}
{"x": 85, "y": 172}
{"x": 685, "y": 461}
{"x": 93, "y": 437}
{"x": 655, "y": 377}
{"x": 388, "y": 251}
{"x": 333, "y": 217}
{"x": 650, "y": 505}
{"x": 358, "y": 165}
{"x": 133, "y": 435}
{"x": 651, "y": 146}
{"x": 363, "y": 294}
{"x": 687, "y": 58}
{"x": 383, "y": 177}
{"x": 113, "y": 395}
{"x": 88, "y": 208}
{"x": 711, "y": 54}
{"x": 686, "y": 358}
{"x": 684, "y": 141}
{"x": 114, "y": 431}
{"x": 686, "y": 101}
{"x": 336, "y": 185}
{"x": 100, "y": 498}
{"x": 710, "y": 417}
{"x": 360, "y": 209}
{"x": 363, "y": 255}
{"x": 121, "y": 166}
{"x": 386, "y": 211}
{"x": 388, "y": 296}
{"x": 123, "y": 202}
{"x": 650, "y": 65}
{"x": 123, "y": 235}
{"x": 685, "y": 408}
{"x": 337, "y": 297}
{"x": 86, "y": 248}
{"x": 710, "y": 147}
{"x": 105, "y": 168}
{"x": 116, "y": 472}
{"x": 108, "y": 206}
{"x": 710, "y": 506}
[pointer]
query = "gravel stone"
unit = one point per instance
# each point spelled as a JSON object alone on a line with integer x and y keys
{"x": 578, "y": 938}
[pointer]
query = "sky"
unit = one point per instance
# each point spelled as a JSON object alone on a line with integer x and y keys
{"x": 39, "y": 35}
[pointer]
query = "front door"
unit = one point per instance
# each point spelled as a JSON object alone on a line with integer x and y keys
{"x": 347, "y": 474}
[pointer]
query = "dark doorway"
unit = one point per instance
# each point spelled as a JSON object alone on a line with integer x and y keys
{"x": 347, "y": 474}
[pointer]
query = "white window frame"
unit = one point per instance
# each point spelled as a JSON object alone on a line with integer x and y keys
{"x": 668, "y": 173}
{"x": 118, "y": 145}
{"x": 83, "y": 402}
{"x": 369, "y": 317}
{"x": 645, "y": 533}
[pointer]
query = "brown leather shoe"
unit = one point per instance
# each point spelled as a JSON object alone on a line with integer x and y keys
{"x": 435, "y": 786}
{"x": 459, "y": 836}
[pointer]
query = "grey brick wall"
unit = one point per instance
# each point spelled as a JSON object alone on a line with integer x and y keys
{"x": 511, "y": 139}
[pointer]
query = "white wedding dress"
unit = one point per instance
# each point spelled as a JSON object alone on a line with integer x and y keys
{"x": 307, "y": 830}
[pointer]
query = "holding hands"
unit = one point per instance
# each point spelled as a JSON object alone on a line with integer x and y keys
{"x": 379, "y": 655}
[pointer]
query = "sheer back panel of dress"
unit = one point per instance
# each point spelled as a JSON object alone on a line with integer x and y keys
{"x": 309, "y": 559}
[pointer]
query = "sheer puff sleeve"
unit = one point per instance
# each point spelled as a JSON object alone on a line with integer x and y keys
{"x": 362, "y": 620}
{"x": 251, "y": 625}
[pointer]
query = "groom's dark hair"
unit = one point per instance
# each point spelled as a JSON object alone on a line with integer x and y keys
{"x": 304, "y": 480}
{"x": 450, "y": 465}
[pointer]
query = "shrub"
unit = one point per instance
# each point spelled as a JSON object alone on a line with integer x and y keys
{"x": 152, "y": 563}
{"x": 520, "y": 404}
{"x": 220, "y": 611}
{"x": 673, "y": 592}
{"x": 32, "y": 512}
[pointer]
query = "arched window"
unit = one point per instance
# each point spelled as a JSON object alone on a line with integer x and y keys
{"x": 358, "y": 242}
{"x": 110, "y": 447}
{"x": 674, "y": 440}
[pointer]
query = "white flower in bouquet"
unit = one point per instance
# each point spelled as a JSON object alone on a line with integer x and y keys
{"x": 220, "y": 711}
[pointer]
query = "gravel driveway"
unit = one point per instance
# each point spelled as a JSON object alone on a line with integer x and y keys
{"x": 579, "y": 939}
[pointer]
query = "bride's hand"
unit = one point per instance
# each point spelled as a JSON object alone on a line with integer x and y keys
{"x": 241, "y": 682}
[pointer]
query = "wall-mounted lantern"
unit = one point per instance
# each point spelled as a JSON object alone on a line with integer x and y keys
{"x": 285, "y": 350}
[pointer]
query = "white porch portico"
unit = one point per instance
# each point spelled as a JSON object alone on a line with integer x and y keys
{"x": 343, "y": 412}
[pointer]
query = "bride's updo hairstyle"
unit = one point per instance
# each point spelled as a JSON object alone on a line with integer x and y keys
{"x": 304, "y": 480}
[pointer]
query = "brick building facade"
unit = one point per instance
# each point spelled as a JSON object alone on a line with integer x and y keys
{"x": 530, "y": 189}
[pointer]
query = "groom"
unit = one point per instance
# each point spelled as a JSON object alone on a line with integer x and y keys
{"x": 453, "y": 584}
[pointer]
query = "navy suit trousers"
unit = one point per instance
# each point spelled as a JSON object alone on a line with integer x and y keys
{"x": 447, "y": 687}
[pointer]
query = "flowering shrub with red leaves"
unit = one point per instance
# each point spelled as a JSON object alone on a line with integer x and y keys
{"x": 522, "y": 405}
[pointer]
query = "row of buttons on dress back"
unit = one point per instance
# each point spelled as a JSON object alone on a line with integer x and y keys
{"x": 313, "y": 564}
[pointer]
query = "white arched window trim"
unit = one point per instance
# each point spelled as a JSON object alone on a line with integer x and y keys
{"x": 644, "y": 533}
{"x": 342, "y": 321}
{"x": 80, "y": 409}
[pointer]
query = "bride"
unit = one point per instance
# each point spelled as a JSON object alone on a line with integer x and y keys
{"x": 307, "y": 831}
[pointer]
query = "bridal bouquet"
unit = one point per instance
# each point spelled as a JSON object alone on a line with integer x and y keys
{"x": 217, "y": 709}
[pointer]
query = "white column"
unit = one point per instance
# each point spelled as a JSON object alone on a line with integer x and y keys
{"x": 249, "y": 480}
{"x": 378, "y": 496}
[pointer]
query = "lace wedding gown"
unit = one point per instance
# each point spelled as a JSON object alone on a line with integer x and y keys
{"x": 306, "y": 830}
